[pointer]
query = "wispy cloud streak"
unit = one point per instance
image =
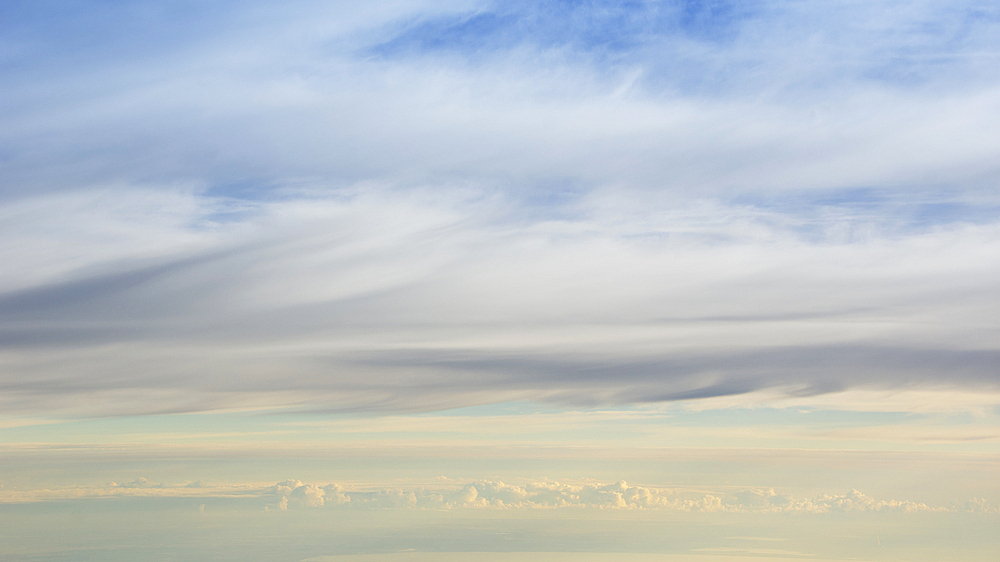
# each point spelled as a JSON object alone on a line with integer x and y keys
{"x": 405, "y": 206}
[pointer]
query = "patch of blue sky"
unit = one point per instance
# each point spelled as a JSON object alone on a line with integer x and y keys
{"x": 903, "y": 43}
{"x": 56, "y": 34}
{"x": 258, "y": 189}
{"x": 913, "y": 68}
{"x": 890, "y": 211}
{"x": 908, "y": 46}
{"x": 927, "y": 215}
{"x": 589, "y": 26}
{"x": 546, "y": 199}
{"x": 715, "y": 46}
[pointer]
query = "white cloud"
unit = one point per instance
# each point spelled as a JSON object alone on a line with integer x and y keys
{"x": 137, "y": 483}
{"x": 528, "y": 494}
{"x": 423, "y": 298}
{"x": 288, "y": 212}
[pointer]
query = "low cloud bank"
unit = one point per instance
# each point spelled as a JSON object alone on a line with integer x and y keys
{"x": 485, "y": 494}
{"x": 620, "y": 495}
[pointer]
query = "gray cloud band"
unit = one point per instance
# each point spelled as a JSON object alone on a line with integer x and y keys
{"x": 348, "y": 304}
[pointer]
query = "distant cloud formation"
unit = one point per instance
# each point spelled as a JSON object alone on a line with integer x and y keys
{"x": 619, "y": 495}
{"x": 484, "y": 494}
{"x": 411, "y": 205}
{"x": 137, "y": 483}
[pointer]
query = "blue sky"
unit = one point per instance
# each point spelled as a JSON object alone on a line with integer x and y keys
{"x": 502, "y": 242}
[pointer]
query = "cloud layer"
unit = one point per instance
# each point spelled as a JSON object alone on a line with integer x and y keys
{"x": 550, "y": 495}
{"x": 542, "y": 494}
{"x": 404, "y": 206}
{"x": 416, "y": 300}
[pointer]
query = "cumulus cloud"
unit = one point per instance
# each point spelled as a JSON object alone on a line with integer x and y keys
{"x": 294, "y": 494}
{"x": 527, "y": 494}
{"x": 618, "y": 495}
{"x": 137, "y": 483}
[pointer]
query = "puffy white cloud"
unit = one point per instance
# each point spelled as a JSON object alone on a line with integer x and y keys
{"x": 977, "y": 505}
{"x": 618, "y": 495}
{"x": 137, "y": 483}
{"x": 853, "y": 501}
{"x": 486, "y": 494}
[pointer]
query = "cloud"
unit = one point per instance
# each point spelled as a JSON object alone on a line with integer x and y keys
{"x": 401, "y": 206}
{"x": 767, "y": 97}
{"x": 528, "y": 494}
{"x": 382, "y": 299}
{"x": 137, "y": 483}
{"x": 619, "y": 495}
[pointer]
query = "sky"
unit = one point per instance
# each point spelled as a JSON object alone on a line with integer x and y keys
{"x": 677, "y": 280}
